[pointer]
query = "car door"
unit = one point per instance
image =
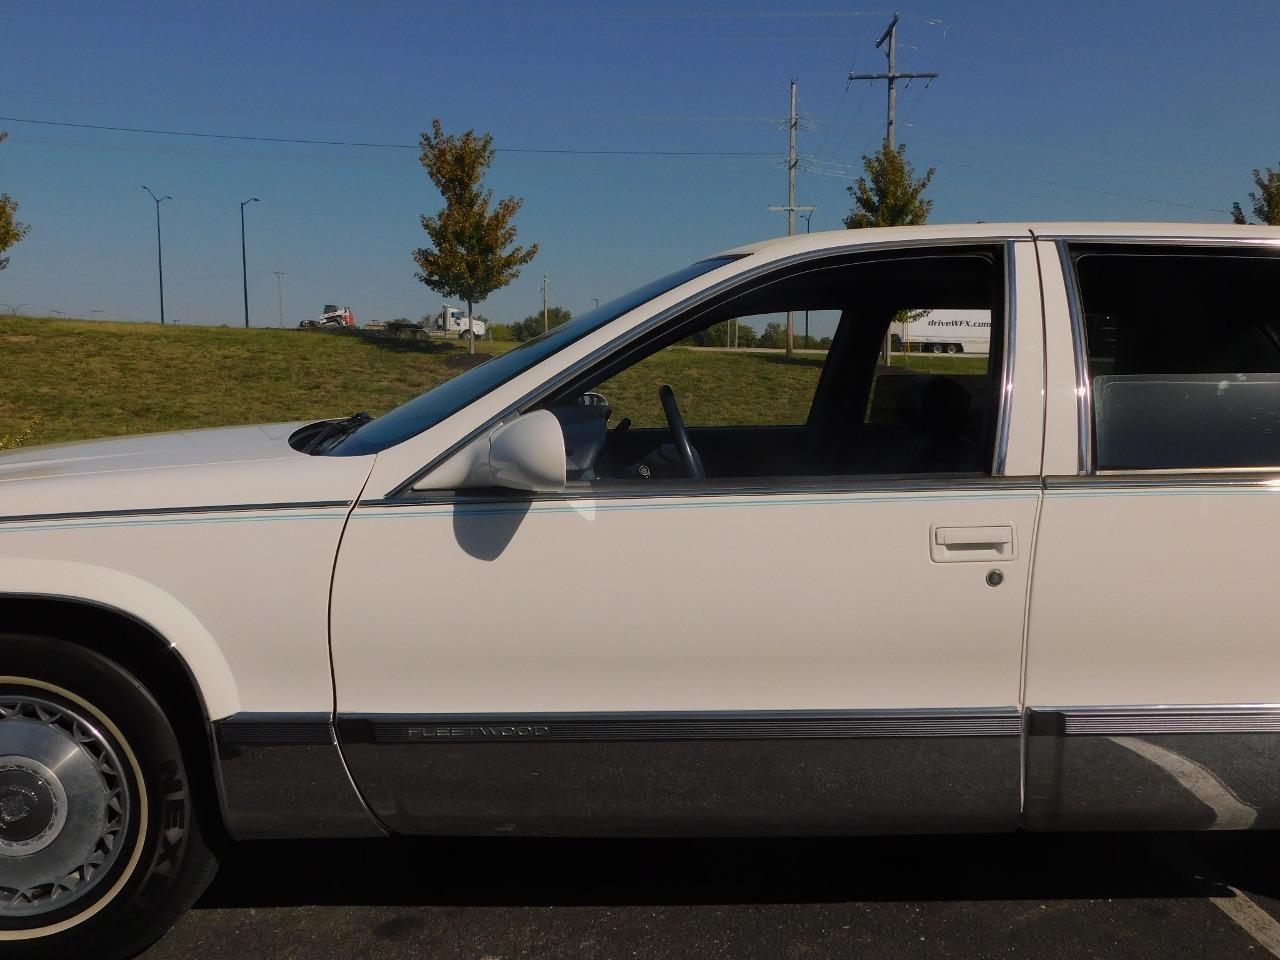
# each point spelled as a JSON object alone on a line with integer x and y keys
{"x": 1152, "y": 669}
{"x": 817, "y": 650}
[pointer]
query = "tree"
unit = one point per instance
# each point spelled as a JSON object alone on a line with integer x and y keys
{"x": 774, "y": 336}
{"x": 531, "y": 326}
{"x": 889, "y": 195}
{"x": 471, "y": 254}
{"x": 11, "y": 230}
{"x": 1266, "y": 202}
{"x": 726, "y": 333}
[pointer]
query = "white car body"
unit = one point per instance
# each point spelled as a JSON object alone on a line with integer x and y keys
{"x": 364, "y": 618}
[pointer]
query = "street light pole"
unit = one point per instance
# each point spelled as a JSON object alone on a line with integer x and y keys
{"x": 159, "y": 248}
{"x": 244, "y": 262}
{"x": 280, "y": 294}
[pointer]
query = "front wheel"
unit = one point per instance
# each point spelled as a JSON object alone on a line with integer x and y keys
{"x": 100, "y": 848}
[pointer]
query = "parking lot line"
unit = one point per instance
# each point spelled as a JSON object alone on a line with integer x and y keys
{"x": 1231, "y": 812}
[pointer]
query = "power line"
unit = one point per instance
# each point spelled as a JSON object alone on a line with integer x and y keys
{"x": 389, "y": 146}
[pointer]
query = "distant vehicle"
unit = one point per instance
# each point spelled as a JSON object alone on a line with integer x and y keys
{"x": 453, "y": 320}
{"x": 332, "y": 316}
{"x": 943, "y": 331}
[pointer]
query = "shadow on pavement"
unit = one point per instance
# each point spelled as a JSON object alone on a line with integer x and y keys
{"x": 537, "y": 872}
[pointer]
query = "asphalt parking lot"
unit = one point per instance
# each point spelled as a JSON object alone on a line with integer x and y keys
{"x": 1044, "y": 896}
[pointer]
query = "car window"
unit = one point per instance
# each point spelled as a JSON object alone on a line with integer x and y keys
{"x": 1183, "y": 353}
{"x": 832, "y": 408}
{"x": 432, "y": 407}
{"x": 732, "y": 373}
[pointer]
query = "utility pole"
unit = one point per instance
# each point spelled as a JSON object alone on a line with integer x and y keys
{"x": 793, "y": 123}
{"x": 244, "y": 262}
{"x": 280, "y": 294}
{"x": 808, "y": 222}
{"x": 890, "y": 37}
{"x": 545, "y": 328}
{"x": 159, "y": 248}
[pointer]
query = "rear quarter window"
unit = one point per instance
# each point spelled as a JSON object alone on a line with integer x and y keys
{"x": 1183, "y": 353}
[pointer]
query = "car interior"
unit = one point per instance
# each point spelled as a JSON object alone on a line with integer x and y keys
{"x": 1184, "y": 355}
{"x": 918, "y": 415}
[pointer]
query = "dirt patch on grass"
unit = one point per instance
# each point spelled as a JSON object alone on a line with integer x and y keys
{"x": 466, "y": 361}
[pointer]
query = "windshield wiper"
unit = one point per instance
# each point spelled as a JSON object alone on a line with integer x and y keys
{"x": 329, "y": 432}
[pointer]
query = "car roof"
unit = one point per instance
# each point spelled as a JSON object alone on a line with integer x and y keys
{"x": 1214, "y": 232}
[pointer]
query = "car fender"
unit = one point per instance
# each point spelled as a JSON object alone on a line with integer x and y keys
{"x": 141, "y": 600}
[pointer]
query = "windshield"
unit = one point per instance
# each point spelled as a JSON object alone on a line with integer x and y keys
{"x": 425, "y": 411}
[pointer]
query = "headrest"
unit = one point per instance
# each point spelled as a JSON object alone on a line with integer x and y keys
{"x": 934, "y": 404}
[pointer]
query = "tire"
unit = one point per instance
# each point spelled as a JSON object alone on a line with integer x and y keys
{"x": 100, "y": 858}
{"x": 952, "y": 348}
{"x": 937, "y": 348}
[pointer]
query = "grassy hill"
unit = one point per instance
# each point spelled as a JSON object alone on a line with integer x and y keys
{"x": 85, "y": 379}
{"x": 94, "y": 379}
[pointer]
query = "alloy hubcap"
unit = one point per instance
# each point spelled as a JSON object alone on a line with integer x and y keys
{"x": 64, "y": 805}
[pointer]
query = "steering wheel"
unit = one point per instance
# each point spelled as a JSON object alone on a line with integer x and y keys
{"x": 679, "y": 435}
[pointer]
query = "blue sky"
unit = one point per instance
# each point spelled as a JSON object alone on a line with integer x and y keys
{"x": 1043, "y": 111}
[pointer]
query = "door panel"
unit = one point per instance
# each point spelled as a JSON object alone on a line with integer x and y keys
{"x": 664, "y": 616}
{"x": 1153, "y": 678}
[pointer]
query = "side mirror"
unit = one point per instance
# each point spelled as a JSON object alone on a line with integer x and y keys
{"x": 528, "y": 454}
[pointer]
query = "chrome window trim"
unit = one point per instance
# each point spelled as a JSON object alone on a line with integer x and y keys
{"x": 1006, "y": 375}
{"x": 1263, "y": 478}
{"x": 754, "y": 273}
{"x": 905, "y": 484}
{"x": 1150, "y": 241}
{"x": 1084, "y": 389}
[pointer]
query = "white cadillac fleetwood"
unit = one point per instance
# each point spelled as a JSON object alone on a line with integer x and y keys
{"x": 1031, "y": 590}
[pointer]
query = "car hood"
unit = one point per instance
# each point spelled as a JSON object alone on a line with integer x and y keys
{"x": 151, "y": 451}
{"x": 194, "y": 469}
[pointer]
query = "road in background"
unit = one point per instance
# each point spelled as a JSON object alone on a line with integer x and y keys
{"x": 1045, "y": 896}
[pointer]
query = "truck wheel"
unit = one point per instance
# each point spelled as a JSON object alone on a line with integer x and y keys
{"x": 937, "y": 348}
{"x": 952, "y": 348}
{"x": 100, "y": 848}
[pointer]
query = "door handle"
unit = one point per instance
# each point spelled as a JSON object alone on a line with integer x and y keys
{"x": 952, "y": 544}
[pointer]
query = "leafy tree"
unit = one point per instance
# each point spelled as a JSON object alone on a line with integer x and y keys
{"x": 774, "y": 336}
{"x": 889, "y": 195}
{"x": 531, "y": 326}
{"x": 1266, "y": 202}
{"x": 744, "y": 335}
{"x": 471, "y": 254}
{"x": 726, "y": 333}
{"x": 11, "y": 230}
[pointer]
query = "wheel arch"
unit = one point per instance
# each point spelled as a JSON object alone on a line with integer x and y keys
{"x": 144, "y": 652}
{"x": 162, "y": 617}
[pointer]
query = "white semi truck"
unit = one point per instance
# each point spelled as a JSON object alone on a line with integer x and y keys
{"x": 451, "y": 320}
{"x": 943, "y": 331}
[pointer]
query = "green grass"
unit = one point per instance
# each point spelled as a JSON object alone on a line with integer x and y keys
{"x": 93, "y": 379}
{"x": 85, "y": 379}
